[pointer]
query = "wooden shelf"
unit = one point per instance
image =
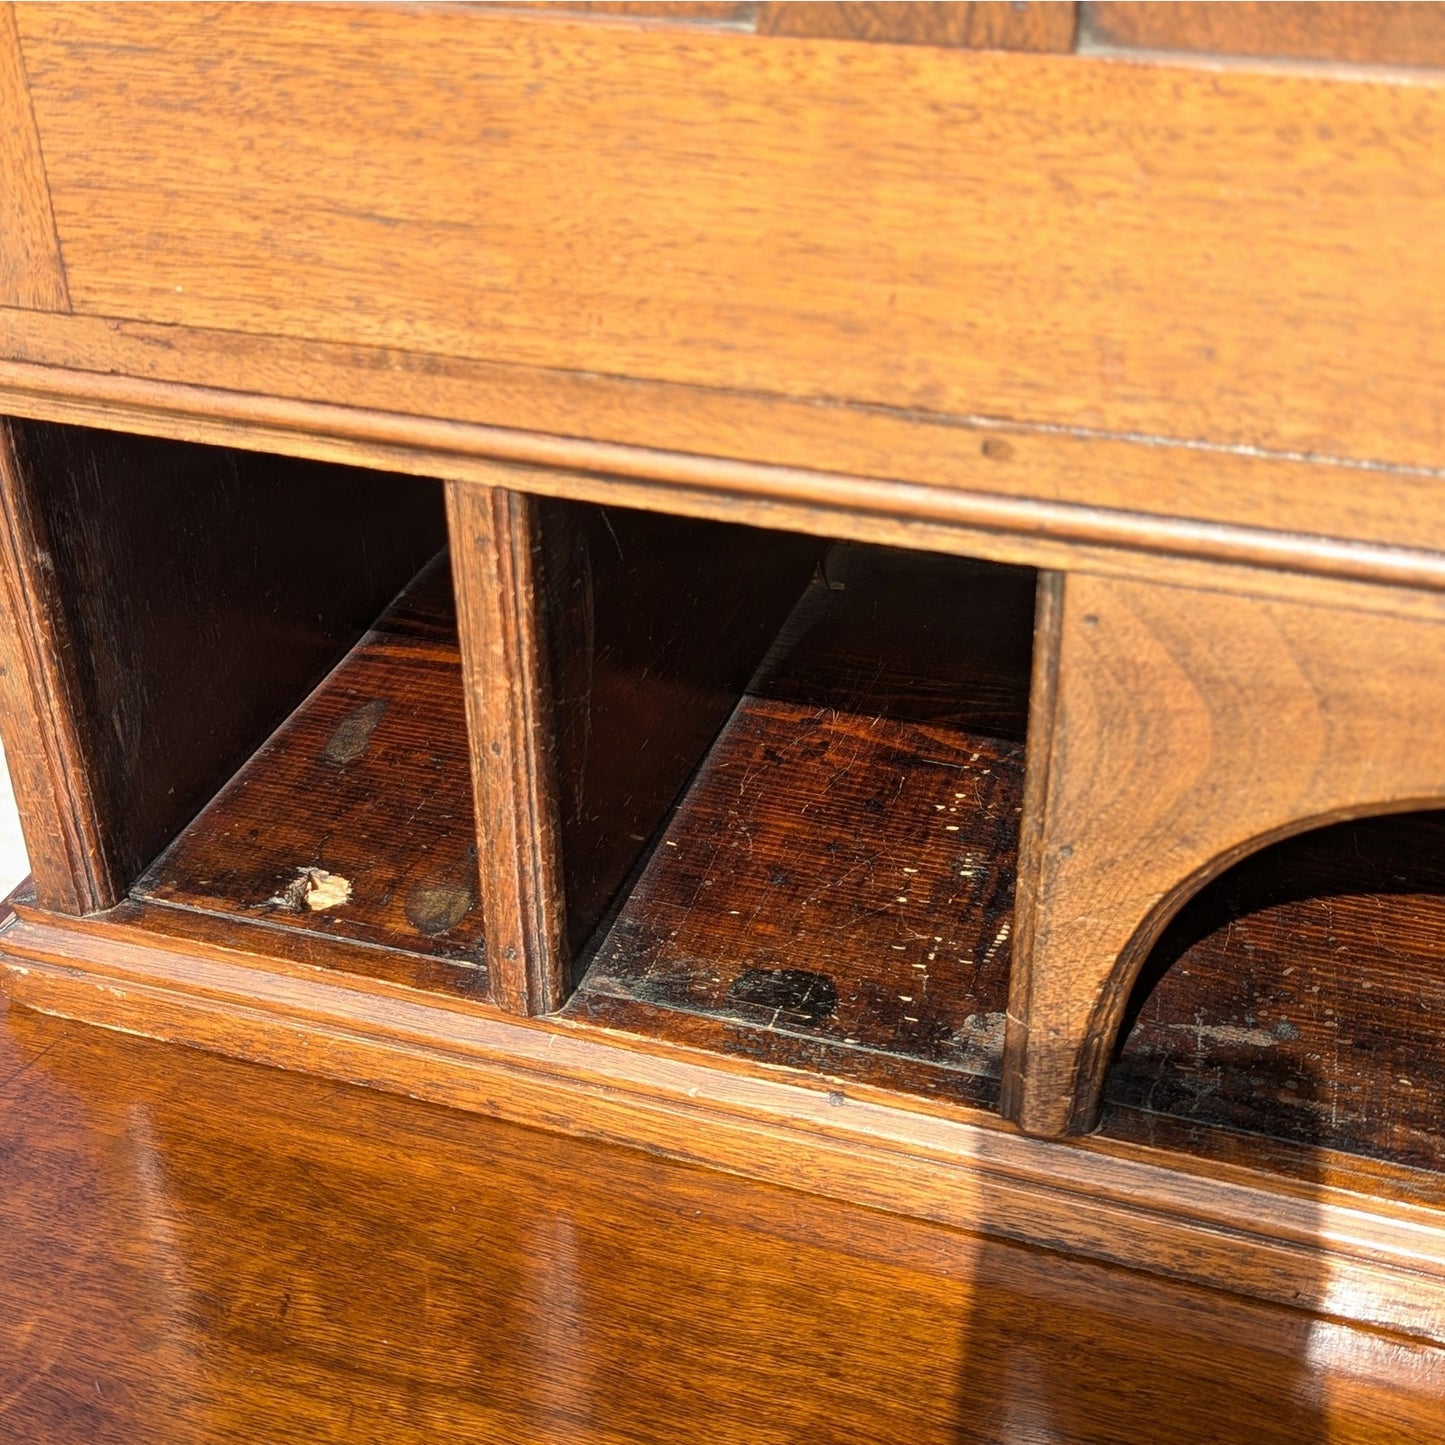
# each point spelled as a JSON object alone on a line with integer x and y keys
{"x": 366, "y": 782}
{"x": 835, "y": 890}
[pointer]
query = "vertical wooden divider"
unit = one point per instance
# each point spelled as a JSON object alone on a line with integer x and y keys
{"x": 493, "y": 533}
{"x": 39, "y": 714}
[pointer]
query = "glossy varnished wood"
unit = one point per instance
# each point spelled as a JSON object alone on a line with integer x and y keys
{"x": 987, "y": 26}
{"x": 368, "y": 782}
{"x": 203, "y": 1251}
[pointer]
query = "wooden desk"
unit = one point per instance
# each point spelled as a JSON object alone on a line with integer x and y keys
{"x": 942, "y": 514}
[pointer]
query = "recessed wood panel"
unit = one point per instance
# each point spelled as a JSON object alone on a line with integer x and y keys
{"x": 1246, "y": 258}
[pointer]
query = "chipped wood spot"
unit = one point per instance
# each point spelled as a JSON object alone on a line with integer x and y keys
{"x": 313, "y": 890}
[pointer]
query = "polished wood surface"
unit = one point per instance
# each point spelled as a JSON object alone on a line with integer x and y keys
{"x": 987, "y": 26}
{"x": 204, "y": 1251}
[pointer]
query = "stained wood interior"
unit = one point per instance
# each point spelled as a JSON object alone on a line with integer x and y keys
{"x": 354, "y": 822}
{"x": 1295, "y": 1000}
{"x": 835, "y": 889}
{"x": 202, "y": 593}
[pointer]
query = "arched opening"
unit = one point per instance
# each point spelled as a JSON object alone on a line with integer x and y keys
{"x": 1295, "y": 1003}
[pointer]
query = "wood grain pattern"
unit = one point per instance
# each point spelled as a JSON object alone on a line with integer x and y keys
{"x": 369, "y": 781}
{"x": 1008, "y": 493}
{"x": 41, "y": 710}
{"x": 985, "y": 26}
{"x": 1321, "y": 1243}
{"x": 1382, "y": 33}
{"x": 203, "y": 1251}
{"x": 647, "y": 203}
{"x": 1295, "y": 996}
{"x": 654, "y": 626}
{"x": 493, "y": 541}
{"x": 32, "y": 271}
{"x": 835, "y": 890}
{"x": 202, "y": 592}
{"x": 1189, "y": 729}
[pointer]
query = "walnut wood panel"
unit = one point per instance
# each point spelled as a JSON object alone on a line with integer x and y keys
{"x": 1321, "y": 1244}
{"x": 41, "y": 711}
{"x": 202, "y": 593}
{"x": 1082, "y": 242}
{"x": 493, "y": 545}
{"x": 654, "y": 626}
{"x": 1295, "y": 998}
{"x": 206, "y": 1251}
{"x": 1383, "y": 33}
{"x": 32, "y": 271}
{"x": 1007, "y": 492}
{"x": 986, "y": 26}
{"x": 1188, "y": 728}
{"x": 364, "y": 791}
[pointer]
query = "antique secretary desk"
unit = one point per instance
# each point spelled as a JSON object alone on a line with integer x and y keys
{"x": 853, "y": 594}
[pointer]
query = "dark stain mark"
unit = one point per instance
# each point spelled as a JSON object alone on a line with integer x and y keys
{"x": 997, "y": 449}
{"x": 436, "y": 910}
{"x": 795, "y": 995}
{"x": 353, "y": 733}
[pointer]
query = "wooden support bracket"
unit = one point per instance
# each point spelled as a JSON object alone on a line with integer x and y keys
{"x": 1174, "y": 731}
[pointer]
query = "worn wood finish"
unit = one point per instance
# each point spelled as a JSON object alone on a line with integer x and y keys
{"x": 32, "y": 271}
{"x": 1189, "y": 728}
{"x": 205, "y": 1251}
{"x": 645, "y": 205}
{"x": 1004, "y": 491}
{"x": 835, "y": 890}
{"x": 1381, "y": 33}
{"x": 986, "y": 26}
{"x": 493, "y": 543}
{"x": 1295, "y": 998}
{"x": 41, "y": 711}
{"x": 364, "y": 790}
{"x": 203, "y": 593}
{"x": 1319, "y": 1243}
{"x": 838, "y": 890}
{"x": 654, "y": 626}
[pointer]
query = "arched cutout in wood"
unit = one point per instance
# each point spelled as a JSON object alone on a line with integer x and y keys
{"x": 1173, "y": 732}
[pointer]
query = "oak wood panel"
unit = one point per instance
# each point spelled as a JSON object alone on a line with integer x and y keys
{"x": 1380, "y": 33}
{"x": 1020, "y": 492}
{"x": 1296, "y": 998}
{"x": 1189, "y": 728}
{"x": 365, "y": 791}
{"x": 984, "y": 26}
{"x": 1079, "y": 242}
{"x": 513, "y": 759}
{"x": 32, "y": 271}
{"x": 204, "y": 1251}
{"x": 41, "y": 709}
{"x": 1372, "y": 1259}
